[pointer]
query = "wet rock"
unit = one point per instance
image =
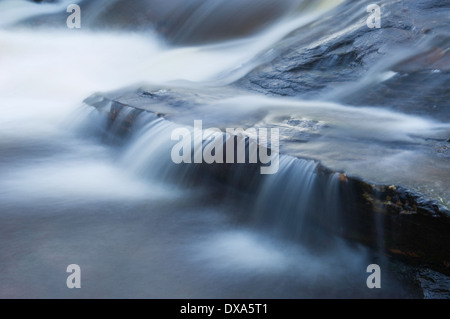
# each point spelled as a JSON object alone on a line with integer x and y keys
{"x": 403, "y": 65}
{"x": 401, "y": 223}
{"x": 434, "y": 284}
{"x": 413, "y": 227}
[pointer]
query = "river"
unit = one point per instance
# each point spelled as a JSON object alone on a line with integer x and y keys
{"x": 68, "y": 196}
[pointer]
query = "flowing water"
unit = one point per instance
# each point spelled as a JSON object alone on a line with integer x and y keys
{"x": 135, "y": 222}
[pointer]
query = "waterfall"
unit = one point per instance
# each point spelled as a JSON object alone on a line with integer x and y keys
{"x": 298, "y": 202}
{"x": 95, "y": 182}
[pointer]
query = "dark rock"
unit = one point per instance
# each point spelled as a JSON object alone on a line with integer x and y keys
{"x": 434, "y": 285}
{"x": 412, "y": 228}
{"x": 339, "y": 57}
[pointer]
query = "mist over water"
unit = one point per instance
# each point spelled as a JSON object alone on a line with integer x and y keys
{"x": 68, "y": 194}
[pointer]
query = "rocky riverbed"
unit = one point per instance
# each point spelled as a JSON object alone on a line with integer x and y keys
{"x": 363, "y": 116}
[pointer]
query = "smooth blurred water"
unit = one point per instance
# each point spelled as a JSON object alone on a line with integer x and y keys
{"x": 66, "y": 197}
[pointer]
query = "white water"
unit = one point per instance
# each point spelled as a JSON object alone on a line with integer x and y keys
{"x": 66, "y": 198}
